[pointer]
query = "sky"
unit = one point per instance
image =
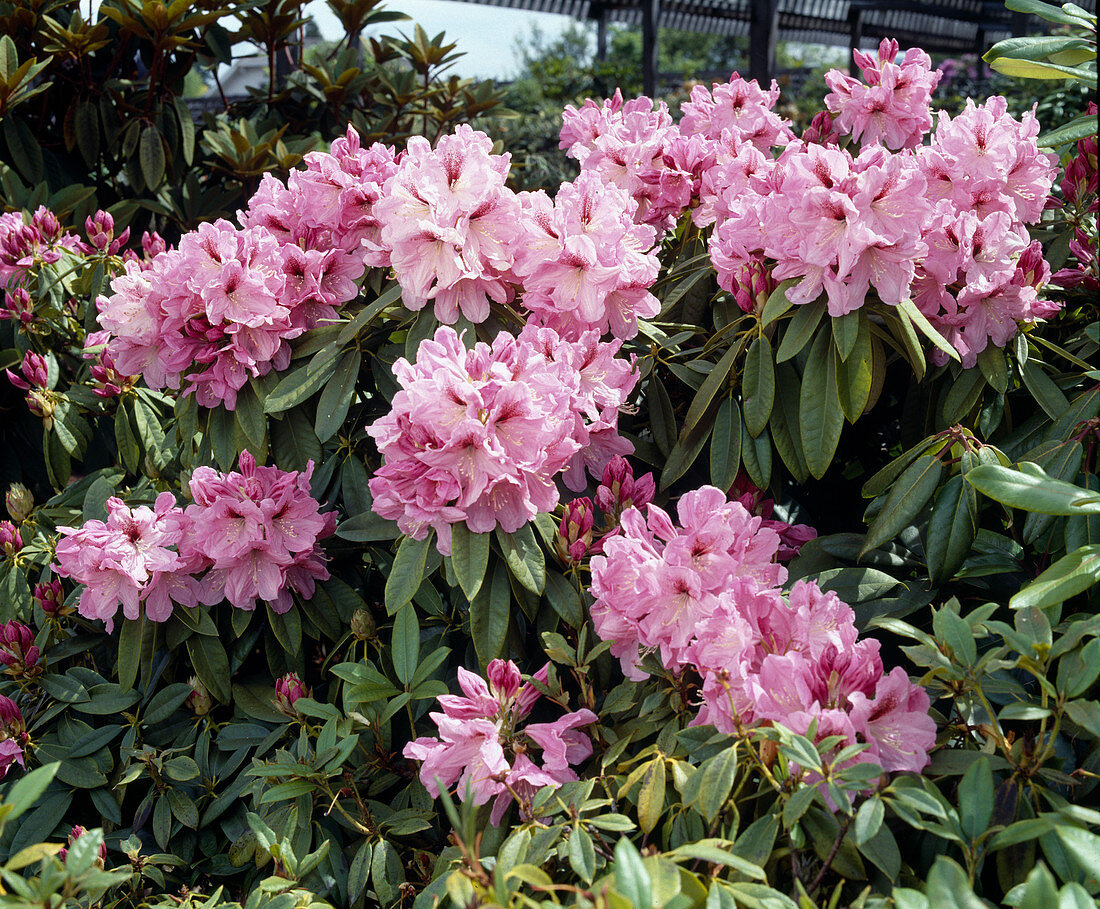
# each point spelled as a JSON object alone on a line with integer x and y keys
{"x": 486, "y": 34}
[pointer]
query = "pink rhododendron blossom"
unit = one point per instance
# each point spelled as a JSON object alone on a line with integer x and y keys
{"x": 25, "y": 246}
{"x": 636, "y": 147}
{"x": 217, "y": 310}
{"x": 479, "y": 435}
{"x": 13, "y": 735}
{"x": 257, "y": 530}
{"x": 892, "y": 105}
{"x": 791, "y": 536}
{"x": 483, "y": 747}
{"x": 583, "y": 262}
{"x": 704, "y": 595}
{"x": 448, "y": 220}
{"x": 128, "y": 561}
{"x": 741, "y": 109}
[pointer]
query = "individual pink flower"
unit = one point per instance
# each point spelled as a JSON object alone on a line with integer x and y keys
{"x": 895, "y": 722}
{"x": 740, "y": 109}
{"x": 13, "y": 735}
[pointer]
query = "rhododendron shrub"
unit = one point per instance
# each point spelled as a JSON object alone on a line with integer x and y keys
{"x": 416, "y": 539}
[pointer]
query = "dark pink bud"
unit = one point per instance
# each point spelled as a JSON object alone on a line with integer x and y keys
{"x": 100, "y": 229}
{"x": 49, "y": 597}
{"x": 821, "y": 130}
{"x": 504, "y": 679}
{"x": 288, "y": 690}
{"x": 46, "y": 223}
{"x": 18, "y": 654}
{"x": 11, "y": 719}
{"x": 35, "y": 370}
{"x": 153, "y": 244}
{"x": 18, "y": 306}
{"x": 575, "y": 530}
{"x": 10, "y": 541}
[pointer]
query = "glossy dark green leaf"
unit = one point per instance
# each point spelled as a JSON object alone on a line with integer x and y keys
{"x": 524, "y": 557}
{"x": 1032, "y": 489}
{"x": 758, "y": 385}
{"x": 564, "y": 599}
{"x": 992, "y": 363}
{"x": 821, "y": 417}
{"x": 662, "y": 420}
{"x": 632, "y": 880}
{"x": 785, "y": 422}
{"x": 725, "y": 444}
{"x": 26, "y": 152}
{"x": 800, "y": 329}
{"x": 855, "y": 373}
{"x": 976, "y": 799}
{"x": 846, "y": 329}
{"x": 756, "y": 455}
{"x": 405, "y": 643}
{"x": 469, "y": 558}
{"x": 211, "y": 664}
{"x": 86, "y": 131}
{"x": 187, "y": 129}
{"x": 490, "y": 612}
{"x": 1070, "y": 575}
{"x": 300, "y": 383}
{"x": 293, "y": 441}
{"x": 777, "y": 303}
{"x": 909, "y": 494}
{"x": 407, "y": 571}
{"x": 920, "y": 321}
{"x": 126, "y": 440}
{"x": 335, "y": 400}
{"x": 951, "y": 529}
{"x": 129, "y": 652}
{"x": 249, "y": 414}
{"x": 963, "y": 395}
{"x": 151, "y": 156}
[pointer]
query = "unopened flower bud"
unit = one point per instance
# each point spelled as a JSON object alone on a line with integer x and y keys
{"x": 288, "y": 690}
{"x": 18, "y": 653}
{"x": 575, "y": 530}
{"x": 11, "y": 720}
{"x": 18, "y": 307}
{"x": 100, "y": 229}
{"x": 153, "y": 244}
{"x": 50, "y": 597}
{"x": 198, "y": 701}
{"x": 362, "y": 625}
{"x": 19, "y": 501}
{"x": 618, "y": 490}
{"x": 46, "y": 223}
{"x": 10, "y": 541}
{"x": 76, "y": 833}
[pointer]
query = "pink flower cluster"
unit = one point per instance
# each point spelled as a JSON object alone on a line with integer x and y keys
{"x": 257, "y": 531}
{"x": 327, "y": 210}
{"x": 479, "y": 435}
{"x": 219, "y": 309}
{"x": 583, "y": 261}
{"x": 484, "y": 746}
{"x": 987, "y": 180}
{"x": 128, "y": 560}
{"x": 449, "y": 223}
{"x": 249, "y": 535}
{"x": 636, "y": 147}
{"x": 704, "y": 594}
{"x": 892, "y": 106}
{"x": 25, "y": 246}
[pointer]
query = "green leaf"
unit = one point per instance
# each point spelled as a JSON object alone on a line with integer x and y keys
{"x": 651, "y": 795}
{"x": 785, "y": 422}
{"x": 800, "y": 329}
{"x": 725, "y": 444}
{"x": 1083, "y": 846}
{"x": 920, "y": 320}
{"x": 1044, "y": 11}
{"x": 335, "y": 400}
{"x": 758, "y": 385}
{"x": 129, "y": 651}
{"x": 821, "y": 417}
{"x": 855, "y": 373}
{"x": 582, "y": 854}
{"x": 869, "y": 819}
{"x": 187, "y": 129}
{"x": 407, "y": 571}
{"x": 211, "y": 664}
{"x": 1078, "y": 128}
{"x": 490, "y": 612}
{"x": 249, "y": 415}
{"x": 662, "y": 419}
{"x": 951, "y": 529}
{"x": 1032, "y": 489}
{"x": 405, "y": 643}
{"x": 296, "y": 386}
{"x": 151, "y": 156}
{"x": 25, "y": 149}
{"x": 126, "y": 440}
{"x": 976, "y": 799}
{"x": 756, "y": 455}
{"x": 469, "y": 558}
{"x": 1069, "y": 576}
{"x": 26, "y": 791}
{"x": 524, "y": 557}
{"x": 1032, "y": 69}
{"x": 717, "y": 776}
{"x": 294, "y": 442}
{"x": 632, "y": 879}
{"x": 963, "y": 395}
{"x": 564, "y": 599}
{"x": 906, "y": 498}
{"x": 992, "y": 363}
{"x": 86, "y": 131}
{"x": 777, "y": 304}
{"x": 846, "y": 329}
{"x": 1046, "y": 394}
